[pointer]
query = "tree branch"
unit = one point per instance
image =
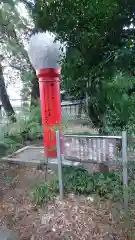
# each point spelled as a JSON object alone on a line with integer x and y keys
{"x": 15, "y": 67}
{"x": 28, "y": 4}
{"x": 24, "y": 52}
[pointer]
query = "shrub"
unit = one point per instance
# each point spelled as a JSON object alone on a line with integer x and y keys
{"x": 79, "y": 181}
{"x": 14, "y": 135}
{"x": 40, "y": 194}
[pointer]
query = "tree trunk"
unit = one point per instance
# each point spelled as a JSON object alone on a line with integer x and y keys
{"x": 97, "y": 119}
{"x": 95, "y": 115}
{"x": 5, "y": 98}
{"x": 34, "y": 90}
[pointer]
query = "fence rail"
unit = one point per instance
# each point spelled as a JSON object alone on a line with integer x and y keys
{"x": 70, "y": 110}
{"x": 73, "y": 110}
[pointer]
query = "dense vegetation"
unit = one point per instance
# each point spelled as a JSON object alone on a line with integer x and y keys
{"x": 15, "y": 135}
{"x": 80, "y": 182}
{"x": 100, "y": 54}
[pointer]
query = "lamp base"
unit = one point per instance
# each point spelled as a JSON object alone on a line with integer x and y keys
{"x": 51, "y": 154}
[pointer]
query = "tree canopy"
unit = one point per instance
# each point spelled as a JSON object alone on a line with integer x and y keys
{"x": 99, "y": 62}
{"x": 100, "y": 46}
{"x": 15, "y": 30}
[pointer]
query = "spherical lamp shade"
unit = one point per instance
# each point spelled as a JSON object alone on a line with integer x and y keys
{"x": 44, "y": 51}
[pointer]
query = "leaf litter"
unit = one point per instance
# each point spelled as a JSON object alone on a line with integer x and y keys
{"x": 74, "y": 218}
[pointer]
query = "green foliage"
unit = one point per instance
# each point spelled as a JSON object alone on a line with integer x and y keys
{"x": 100, "y": 55}
{"x": 35, "y": 113}
{"x": 44, "y": 192}
{"x": 15, "y": 29}
{"x": 98, "y": 47}
{"x": 27, "y": 128}
{"x": 3, "y": 149}
{"x": 40, "y": 194}
{"x": 108, "y": 185}
{"x": 79, "y": 181}
{"x": 10, "y": 180}
{"x": 120, "y": 105}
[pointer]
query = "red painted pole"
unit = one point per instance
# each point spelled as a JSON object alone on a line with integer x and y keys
{"x": 49, "y": 84}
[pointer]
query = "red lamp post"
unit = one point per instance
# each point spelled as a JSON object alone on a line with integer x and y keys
{"x": 44, "y": 55}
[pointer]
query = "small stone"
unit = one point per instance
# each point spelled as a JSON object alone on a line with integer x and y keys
{"x": 6, "y": 234}
{"x": 71, "y": 195}
{"x": 32, "y": 237}
{"x": 46, "y": 219}
{"x": 91, "y": 199}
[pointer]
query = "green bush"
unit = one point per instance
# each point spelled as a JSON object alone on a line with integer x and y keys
{"x": 40, "y": 194}
{"x": 14, "y": 135}
{"x": 79, "y": 181}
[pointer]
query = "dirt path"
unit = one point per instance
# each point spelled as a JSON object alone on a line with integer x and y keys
{"x": 71, "y": 219}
